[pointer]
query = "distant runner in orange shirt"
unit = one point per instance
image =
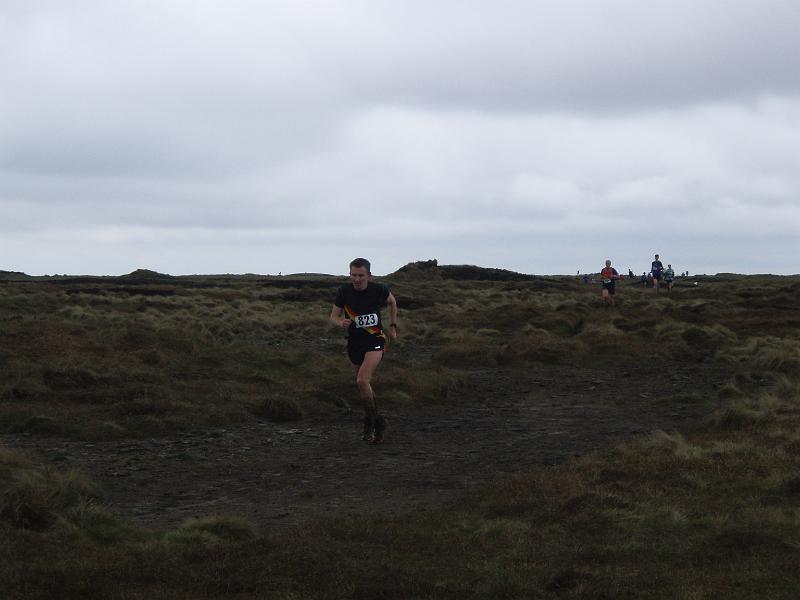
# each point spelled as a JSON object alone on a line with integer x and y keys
{"x": 608, "y": 277}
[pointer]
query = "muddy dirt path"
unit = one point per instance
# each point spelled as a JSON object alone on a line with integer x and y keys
{"x": 280, "y": 476}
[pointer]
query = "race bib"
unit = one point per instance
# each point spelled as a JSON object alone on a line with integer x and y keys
{"x": 370, "y": 320}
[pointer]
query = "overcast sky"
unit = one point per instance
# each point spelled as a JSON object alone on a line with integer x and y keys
{"x": 191, "y": 136}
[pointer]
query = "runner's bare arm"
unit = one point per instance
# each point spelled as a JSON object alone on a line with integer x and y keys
{"x": 336, "y": 318}
{"x": 392, "y": 302}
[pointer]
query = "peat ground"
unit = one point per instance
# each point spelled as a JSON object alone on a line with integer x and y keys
{"x": 282, "y": 475}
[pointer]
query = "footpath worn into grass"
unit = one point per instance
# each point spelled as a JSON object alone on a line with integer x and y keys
{"x": 280, "y": 475}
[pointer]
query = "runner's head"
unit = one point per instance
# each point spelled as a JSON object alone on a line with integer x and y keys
{"x": 656, "y": 256}
{"x": 360, "y": 273}
{"x": 608, "y": 262}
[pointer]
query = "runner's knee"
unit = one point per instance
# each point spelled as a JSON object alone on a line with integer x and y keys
{"x": 363, "y": 379}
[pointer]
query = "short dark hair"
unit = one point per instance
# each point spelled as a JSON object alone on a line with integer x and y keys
{"x": 360, "y": 262}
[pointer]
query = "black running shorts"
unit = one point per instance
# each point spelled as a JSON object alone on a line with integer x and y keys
{"x": 356, "y": 349}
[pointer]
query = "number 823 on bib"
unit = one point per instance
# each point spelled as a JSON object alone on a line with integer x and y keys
{"x": 370, "y": 320}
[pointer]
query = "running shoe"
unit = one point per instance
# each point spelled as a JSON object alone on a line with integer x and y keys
{"x": 380, "y": 427}
{"x": 369, "y": 429}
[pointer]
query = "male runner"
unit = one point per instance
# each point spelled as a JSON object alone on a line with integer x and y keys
{"x": 655, "y": 268}
{"x": 361, "y": 300}
{"x": 608, "y": 277}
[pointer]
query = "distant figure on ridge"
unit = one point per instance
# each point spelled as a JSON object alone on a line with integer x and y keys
{"x": 630, "y": 273}
{"x": 361, "y": 300}
{"x": 655, "y": 269}
{"x": 669, "y": 277}
{"x": 608, "y": 277}
{"x": 643, "y": 280}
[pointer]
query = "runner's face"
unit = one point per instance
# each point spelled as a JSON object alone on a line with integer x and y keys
{"x": 359, "y": 276}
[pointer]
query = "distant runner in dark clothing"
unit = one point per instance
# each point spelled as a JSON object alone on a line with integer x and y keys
{"x": 656, "y": 268}
{"x": 361, "y": 301}
{"x": 608, "y": 277}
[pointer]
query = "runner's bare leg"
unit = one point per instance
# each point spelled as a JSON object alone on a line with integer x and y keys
{"x": 364, "y": 374}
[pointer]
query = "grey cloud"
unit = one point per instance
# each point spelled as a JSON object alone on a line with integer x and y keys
{"x": 581, "y": 56}
{"x": 250, "y": 136}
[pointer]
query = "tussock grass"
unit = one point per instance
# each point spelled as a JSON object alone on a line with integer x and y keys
{"x": 37, "y": 499}
{"x": 466, "y": 348}
{"x": 766, "y": 354}
{"x": 24, "y": 422}
{"x": 534, "y": 344}
{"x": 23, "y": 382}
{"x": 741, "y": 414}
{"x": 686, "y": 338}
{"x": 705, "y": 513}
{"x": 168, "y": 358}
{"x": 214, "y": 529}
{"x": 132, "y": 365}
{"x": 729, "y": 391}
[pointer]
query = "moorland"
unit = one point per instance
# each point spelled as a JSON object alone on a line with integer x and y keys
{"x": 198, "y": 437}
